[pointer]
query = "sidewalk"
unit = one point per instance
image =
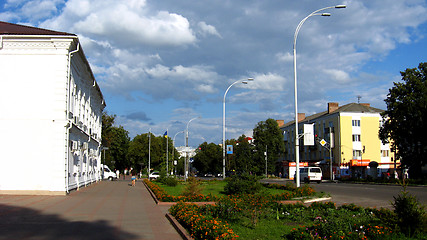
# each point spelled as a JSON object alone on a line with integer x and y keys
{"x": 104, "y": 210}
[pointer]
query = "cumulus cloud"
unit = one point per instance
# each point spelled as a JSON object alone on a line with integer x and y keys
{"x": 123, "y": 23}
{"x": 338, "y": 75}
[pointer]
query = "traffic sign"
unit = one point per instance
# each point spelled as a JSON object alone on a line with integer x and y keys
{"x": 323, "y": 142}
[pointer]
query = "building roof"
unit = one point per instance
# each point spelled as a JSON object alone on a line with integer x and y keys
{"x": 351, "y": 107}
{"x": 16, "y": 29}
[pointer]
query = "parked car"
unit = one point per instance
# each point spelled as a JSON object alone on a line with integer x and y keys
{"x": 154, "y": 175}
{"x": 311, "y": 174}
{"x": 108, "y": 174}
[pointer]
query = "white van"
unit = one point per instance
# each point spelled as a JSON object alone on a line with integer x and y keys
{"x": 108, "y": 174}
{"x": 311, "y": 174}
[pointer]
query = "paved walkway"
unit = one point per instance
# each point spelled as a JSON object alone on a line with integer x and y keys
{"x": 104, "y": 210}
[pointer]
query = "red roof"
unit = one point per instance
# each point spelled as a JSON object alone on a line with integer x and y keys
{"x": 16, "y": 29}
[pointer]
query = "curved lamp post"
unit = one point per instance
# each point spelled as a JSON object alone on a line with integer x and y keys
{"x": 315, "y": 13}
{"x": 223, "y": 122}
{"x": 173, "y": 142}
{"x": 186, "y": 150}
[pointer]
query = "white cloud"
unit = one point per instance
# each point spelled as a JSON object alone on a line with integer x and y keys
{"x": 206, "y": 29}
{"x": 285, "y": 57}
{"x": 338, "y": 75}
{"x": 267, "y": 81}
{"x": 125, "y": 23}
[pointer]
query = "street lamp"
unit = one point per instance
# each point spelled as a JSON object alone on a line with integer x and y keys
{"x": 297, "y": 177}
{"x": 173, "y": 142}
{"x": 186, "y": 150}
{"x": 223, "y": 122}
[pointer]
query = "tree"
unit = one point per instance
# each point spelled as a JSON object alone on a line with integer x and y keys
{"x": 208, "y": 158}
{"x": 268, "y": 137}
{"x": 138, "y": 152}
{"x": 243, "y": 158}
{"x": 406, "y": 119}
{"x": 116, "y": 139}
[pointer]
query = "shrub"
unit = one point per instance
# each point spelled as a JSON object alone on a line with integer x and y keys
{"x": 193, "y": 187}
{"x": 410, "y": 214}
{"x": 243, "y": 184}
{"x": 169, "y": 181}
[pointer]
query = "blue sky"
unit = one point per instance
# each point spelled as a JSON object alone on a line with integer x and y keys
{"x": 160, "y": 63}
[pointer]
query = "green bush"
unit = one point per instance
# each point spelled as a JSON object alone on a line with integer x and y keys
{"x": 243, "y": 184}
{"x": 193, "y": 187}
{"x": 411, "y": 216}
{"x": 169, "y": 181}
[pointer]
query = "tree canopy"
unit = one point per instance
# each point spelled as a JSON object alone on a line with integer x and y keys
{"x": 268, "y": 137}
{"x": 405, "y": 120}
{"x": 208, "y": 158}
{"x": 116, "y": 139}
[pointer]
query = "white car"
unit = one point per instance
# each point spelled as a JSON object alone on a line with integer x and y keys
{"x": 154, "y": 175}
{"x": 108, "y": 174}
{"x": 311, "y": 174}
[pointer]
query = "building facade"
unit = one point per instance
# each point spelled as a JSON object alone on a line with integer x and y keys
{"x": 51, "y": 113}
{"x": 350, "y": 136}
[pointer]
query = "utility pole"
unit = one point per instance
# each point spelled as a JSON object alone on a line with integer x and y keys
{"x": 266, "y": 173}
{"x": 149, "y": 153}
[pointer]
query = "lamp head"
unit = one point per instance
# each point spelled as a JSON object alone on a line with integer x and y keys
{"x": 326, "y": 14}
{"x": 246, "y": 81}
{"x": 340, "y": 6}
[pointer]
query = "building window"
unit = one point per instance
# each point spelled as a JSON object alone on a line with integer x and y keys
{"x": 385, "y": 153}
{"x": 355, "y": 123}
{"x": 356, "y": 137}
{"x": 357, "y": 154}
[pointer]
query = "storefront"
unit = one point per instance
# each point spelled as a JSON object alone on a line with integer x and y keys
{"x": 289, "y": 168}
{"x": 358, "y": 168}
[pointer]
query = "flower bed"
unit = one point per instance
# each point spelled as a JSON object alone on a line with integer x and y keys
{"x": 201, "y": 226}
{"x": 303, "y": 191}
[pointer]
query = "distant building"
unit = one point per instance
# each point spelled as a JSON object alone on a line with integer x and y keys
{"x": 357, "y": 150}
{"x": 51, "y": 113}
{"x": 182, "y": 150}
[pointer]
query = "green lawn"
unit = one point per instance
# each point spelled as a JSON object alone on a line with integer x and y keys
{"x": 212, "y": 187}
{"x": 265, "y": 229}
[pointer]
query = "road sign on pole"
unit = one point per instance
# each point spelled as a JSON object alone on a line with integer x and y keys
{"x": 229, "y": 149}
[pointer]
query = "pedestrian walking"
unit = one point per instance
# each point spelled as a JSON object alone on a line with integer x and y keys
{"x": 133, "y": 178}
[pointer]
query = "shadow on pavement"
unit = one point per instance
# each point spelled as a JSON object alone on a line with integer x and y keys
{"x": 25, "y": 223}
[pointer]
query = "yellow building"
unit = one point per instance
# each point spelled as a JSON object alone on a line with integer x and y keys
{"x": 356, "y": 148}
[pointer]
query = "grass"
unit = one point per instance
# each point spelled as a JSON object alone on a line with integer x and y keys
{"x": 212, "y": 187}
{"x": 265, "y": 229}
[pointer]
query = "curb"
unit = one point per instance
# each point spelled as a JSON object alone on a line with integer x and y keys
{"x": 178, "y": 227}
{"x": 317, "y": 200}
{"x": 151, "y": 193}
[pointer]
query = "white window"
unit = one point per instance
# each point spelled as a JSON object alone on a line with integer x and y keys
{"x": 385, "y": 153}
{"x": 355, "y": 123}
{"x": 356, "y": 137}
{"x": 357, "y": 154}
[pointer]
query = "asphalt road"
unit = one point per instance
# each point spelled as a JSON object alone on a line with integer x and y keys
{"x": 366, "y": 195}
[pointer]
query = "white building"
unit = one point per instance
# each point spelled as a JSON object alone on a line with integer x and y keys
{"x": 50, "y": 113}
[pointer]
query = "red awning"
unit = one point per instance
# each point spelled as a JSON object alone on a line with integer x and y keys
{"x": 359, "y": 162}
